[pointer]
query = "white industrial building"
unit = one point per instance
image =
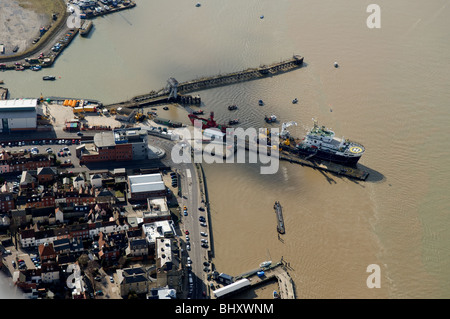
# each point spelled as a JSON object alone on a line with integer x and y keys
{"x": 18, "y": 115}
{"x": 142, "y": 187}
{"x": 231, "y": 288}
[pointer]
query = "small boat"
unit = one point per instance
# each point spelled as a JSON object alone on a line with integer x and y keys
{"x": 232, "y": 107}
{"x": 261, "y": 17}
{"x": 165, "y": 108}
{"x": 48, "y": 78}
{"x": 233, "y": 122}
{"x": 86, "y": 27}
{"x": 36, "y": 68}
{"x": 265, "y": 264}
{"x": 198, "y": 112}
{"x": 270, "y": 119}
{"x": 336, "y": 65}
{"x": 294, "y": 101}
{"x": 198, "y": 4}
{"x": 260, "y": 102}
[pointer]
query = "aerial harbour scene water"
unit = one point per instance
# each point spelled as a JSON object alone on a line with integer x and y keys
{"x": 224, "y": 150}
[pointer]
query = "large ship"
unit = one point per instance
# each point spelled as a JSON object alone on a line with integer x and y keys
{"x": 321, "y": 143}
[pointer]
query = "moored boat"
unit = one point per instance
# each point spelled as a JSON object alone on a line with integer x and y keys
{"x": 266, "y": 263}
{"x": 233, "y": 122}
{"x": 321, "y": 143}
{"x": 294, "y": 101}
{"x": 270, "y": 119}
{"x": 232, "y": 107}
{"x": 86, "y": 27}
{"x": 48, "y": 78}
{"x": 260, "y": 102}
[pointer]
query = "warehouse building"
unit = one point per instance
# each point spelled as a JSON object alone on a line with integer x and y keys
{"x": 141, "y": 187}
{"x": 18, "y": 115}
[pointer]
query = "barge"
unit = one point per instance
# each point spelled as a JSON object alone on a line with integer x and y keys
{"x": 280, "y": 219}
{"x": 85, "y": 28}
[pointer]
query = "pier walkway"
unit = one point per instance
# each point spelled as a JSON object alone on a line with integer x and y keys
{"x": 175, "y": 91}
{"x": 277, "y": 272}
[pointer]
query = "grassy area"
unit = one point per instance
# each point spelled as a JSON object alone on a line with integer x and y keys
{"x": 47, "y": 7}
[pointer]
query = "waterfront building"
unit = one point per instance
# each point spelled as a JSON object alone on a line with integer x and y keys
{"x": 117, "y": 145}
{"x": 18, "y": 115}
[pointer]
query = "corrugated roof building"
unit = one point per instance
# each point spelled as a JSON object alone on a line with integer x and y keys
{"x": 18, "y": 115}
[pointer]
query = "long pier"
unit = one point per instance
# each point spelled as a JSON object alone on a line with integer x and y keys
{"x": 176, "y": 92}
{"x": 321, "y": 165}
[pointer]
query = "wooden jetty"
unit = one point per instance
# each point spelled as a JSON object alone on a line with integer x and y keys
{"x": 280, "y": 220}
{"x": 338, "y": 169}
{"x": 175, "y": 91}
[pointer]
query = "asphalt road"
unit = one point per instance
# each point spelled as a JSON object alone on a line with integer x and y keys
{"x": 191, "y": 198}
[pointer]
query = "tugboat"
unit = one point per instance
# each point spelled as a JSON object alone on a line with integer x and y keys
{"x": 198, "y": 112}
{"x": 321, "y": 143}
{"x": 48, "y": 78}
{"x": 233, "y": 122}
{"x": 270, "y": 119}
{"x": 232, "y": 107}
{"x": 260, "y": 102}
{"x": 294, "y": 101}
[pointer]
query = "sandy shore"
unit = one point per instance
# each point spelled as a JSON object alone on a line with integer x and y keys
{"x": 19, "y": 26}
